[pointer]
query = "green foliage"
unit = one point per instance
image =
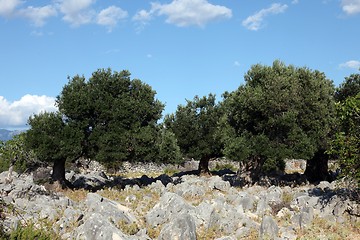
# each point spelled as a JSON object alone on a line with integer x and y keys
{"x": 106, "y": 118}
{"x": 52, "y": 138}
{"x": 14, "y": 152}
{"x": 349, "y": 88}
{"x": 31, "y": 232}
{"x": 195, "y": 126}
{"x": 346, "y": 144}
{"x": 169, "y": 150}
{"x": 281, "y": 111}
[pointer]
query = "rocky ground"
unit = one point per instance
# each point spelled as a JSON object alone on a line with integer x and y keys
{"x": 183, "y": 206}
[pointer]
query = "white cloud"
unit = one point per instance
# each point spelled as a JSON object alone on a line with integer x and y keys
{"x": 7, "y": 7}
{"x": 77, "y": 12}
{"x": 110, "y": 16}
{"x": 38, "y": 14}
{"x": 351, "y": 6}
{"x": 254, "y": 22}
{"x": 351, "y": 64}
{"x": 143, "y": 16}
{"x": 236, "y": 64}
{"x": 184, "y": 13}
{"x": 15, "y": 114}
{"x": 295, "y": 2}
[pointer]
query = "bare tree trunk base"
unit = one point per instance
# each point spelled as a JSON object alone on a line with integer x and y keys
{"x": 203, "y": 169}
{"x": 58, "y": 174}
{"x": 317, "y": 167}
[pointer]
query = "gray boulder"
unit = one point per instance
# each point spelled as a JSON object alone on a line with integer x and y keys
{"x": 288, "y": 233}
{"x": 228, "y": 218}
{"x": 70, "y": 218}
{"x": 158, "y": 187}
{"x": 218, "y": 183}
{"x": 268, "y": 228}
{"x": 245, "y": 200}
{"x": 109, "y": 209}
{"x": 92, "y": 181}
{"x": 182, "y": 227}
{"x": 169, "y": 205}
{"x": 194, "y": 191}
{"x": 203, "y": 213}
{"x": 304, "y": 218}
{"x": 274, "y": 195}
{"x": 263, "y": 207}
{"x": 98, "y": 227}
{"x": 324, "y": 185}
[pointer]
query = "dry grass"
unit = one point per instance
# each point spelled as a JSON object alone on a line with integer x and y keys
{"x": 78, "y": 195}
{"x": 153, "y": 232}
{"x": 139, "y": 201}
{"x": 208, "y": 233}
{"x": 128, "y": 228}
{"x": 324, "y": 229}
{"x": 196, "y": 200}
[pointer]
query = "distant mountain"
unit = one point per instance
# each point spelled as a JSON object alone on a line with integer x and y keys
{"x": 6, "y": 135}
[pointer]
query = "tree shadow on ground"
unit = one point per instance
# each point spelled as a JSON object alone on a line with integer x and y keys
{"x": 96, "y": 182}
{"x": 120, "y": 182}
{"x": 344, "y": 193}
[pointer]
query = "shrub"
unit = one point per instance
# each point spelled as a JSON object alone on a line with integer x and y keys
{"x": 14, "y": 152}
{"x": 31, "y": 232}
{"x": 346, "y": 144}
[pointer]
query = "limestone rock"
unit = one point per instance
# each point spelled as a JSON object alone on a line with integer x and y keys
{"x": 304, "y": 218}
{"x": 98, "y": 227}
{"x": 108, "y": 209}
{"x": 182, "y": 227}
{"x": 170, "y": 205}
{"x": 268, "y": 228}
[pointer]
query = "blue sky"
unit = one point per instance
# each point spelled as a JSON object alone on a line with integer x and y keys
{"x": 181, "y": 48}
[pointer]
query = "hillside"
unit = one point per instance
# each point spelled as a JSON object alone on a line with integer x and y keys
{"x": 6, "y": 135}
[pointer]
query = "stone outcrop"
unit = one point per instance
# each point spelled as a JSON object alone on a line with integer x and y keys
{"x": 187, "y": 206}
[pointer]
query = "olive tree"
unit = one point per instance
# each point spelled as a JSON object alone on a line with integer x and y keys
{"x": 169, "y": 150}
{"x": 54, "y": 141}
{"x": 195, "y": 127}
{"x": 345, "y": 145}
{"x": 280, "y": 112}
{"x": 109, "y": 118}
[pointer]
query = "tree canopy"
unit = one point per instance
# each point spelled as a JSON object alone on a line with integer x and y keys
{"x": 195, "y": 126}
{"x": 109, "y": 118}
{"x": 117, "y": 115}
{"x": 346, "y": 142}
{"x": 280, "y": 112}
{"x": 350, "y": 87}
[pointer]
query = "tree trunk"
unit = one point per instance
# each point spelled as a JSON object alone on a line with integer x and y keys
{"x": 204, "y": 166}
{"x": 317, "y": 167}
{"x": 250, "y": 170}
{"x": 59, "y": 173}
